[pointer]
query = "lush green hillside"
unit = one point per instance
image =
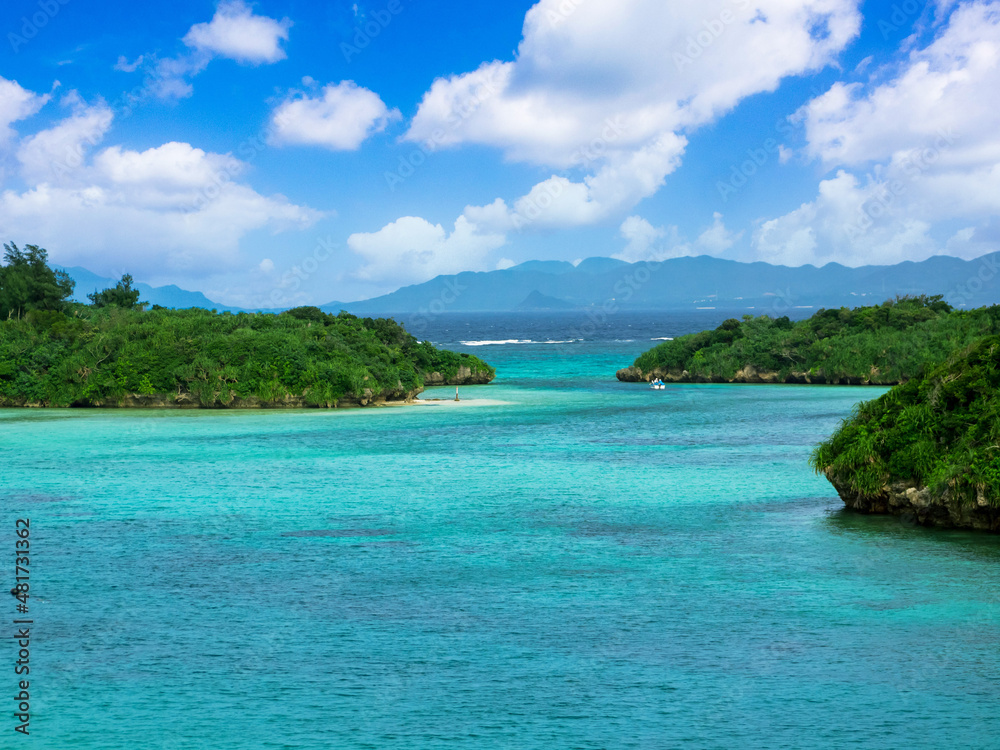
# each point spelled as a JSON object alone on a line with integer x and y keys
{"x": 885, "y": 345}
{"x": 931, "y": 446}
{"x": 112, "y": 355}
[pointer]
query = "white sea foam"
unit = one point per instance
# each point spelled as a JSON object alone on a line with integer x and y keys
{"x": 506, "y": 342}
{"x": 665, "y": 338}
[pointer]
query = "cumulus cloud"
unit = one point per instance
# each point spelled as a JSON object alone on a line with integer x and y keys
{"x": 640, "y": 235}
{"x": 938, "y": 90}
{"x": 236, "y": 33}
{"x": 594, "y": 91}
{"x": 411, "y": 249}
{"x": 648, "y": 243}
{"x": 341, "y": 118}
{"x": 170, "y": 208}
{"x": 928, "y": 135}
{"x": 849, "y": 222}
{"x": 57, "y": 153}
{"x": 16, "y": 103}
{"x": 576, "y": 70}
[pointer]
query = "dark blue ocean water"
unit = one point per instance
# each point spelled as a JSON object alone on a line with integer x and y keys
{"x": 561, "y": 561}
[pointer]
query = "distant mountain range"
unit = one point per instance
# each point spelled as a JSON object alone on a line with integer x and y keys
{"x": 676, "y": 284}
{"x": 165, "y": 296}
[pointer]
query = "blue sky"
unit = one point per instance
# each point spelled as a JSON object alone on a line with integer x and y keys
{"x": 280, "y": 153}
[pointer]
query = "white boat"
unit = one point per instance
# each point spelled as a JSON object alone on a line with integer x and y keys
{"x": 658, "y": 385}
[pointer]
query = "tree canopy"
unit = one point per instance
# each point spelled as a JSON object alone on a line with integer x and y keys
{"x": 880, "y": 344}
{"x": 120, "y": 295}
{"x": 28, "y": 284}
{"x": 940, "y": 430}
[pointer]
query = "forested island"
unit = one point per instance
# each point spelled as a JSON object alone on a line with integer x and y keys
{"x": 885, "y": 344}
{"x": 929, "y": 449}
{"x": 114, "y": 352}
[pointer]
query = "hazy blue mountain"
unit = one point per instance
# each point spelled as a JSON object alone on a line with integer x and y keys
{"x": 538, "y": 301}
{"x": 607, "y": 284}
{"x": 165, "y": 296}
{"x": 688, "y": 283}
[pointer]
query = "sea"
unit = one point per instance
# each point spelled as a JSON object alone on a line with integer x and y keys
{"x": 559, "y": 561}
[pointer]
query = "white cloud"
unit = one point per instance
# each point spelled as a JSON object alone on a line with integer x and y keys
{"x": 603, "y": 60}
{"x": 850, "y": 223}
{"x": 412, "y": 249}
{"x": 173, "y": 208}
{"x": 125, "y": 66}
{"x": 717, "y": 239}
{"x": 236, "y": 33}
{"x": 609, "y": 88}
{"x": 649, "y": 243}
{"x": 342, "y": 118}
{"x": 928, "y": 131}
{"x": 102, "y": 227}
{"x": 16, "y": 103}
{"x": 57, "y": 153}
{"x": 640, "y": 235}
{"x": 944, "y": 88}
{"x": 624, "y": 180}
{"x": 171, "y": 166}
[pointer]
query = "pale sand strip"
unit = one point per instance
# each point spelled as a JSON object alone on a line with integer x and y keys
{"x": 451, "y": 403}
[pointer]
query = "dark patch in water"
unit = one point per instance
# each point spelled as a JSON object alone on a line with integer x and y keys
{"x": 340, "y": 532}
{"x": 34, "y": 497}
{"x": 350, "y": 518}
{"x": 798, "y": 505}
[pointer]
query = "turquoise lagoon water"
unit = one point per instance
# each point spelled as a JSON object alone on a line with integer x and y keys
{"x": 588, "y": 565}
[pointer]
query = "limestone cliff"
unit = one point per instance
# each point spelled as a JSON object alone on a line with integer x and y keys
{"x": 464, "y": 376}
{"x": 922, "y": 504}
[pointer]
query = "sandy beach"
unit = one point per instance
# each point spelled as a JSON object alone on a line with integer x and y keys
{"x": 451, "y": 403}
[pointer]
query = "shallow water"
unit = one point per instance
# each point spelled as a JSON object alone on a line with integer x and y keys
{"x": 590, "y": 565}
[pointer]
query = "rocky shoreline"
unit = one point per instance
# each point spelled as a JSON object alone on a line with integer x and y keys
{"x": 923, "y": 505}
{"x": 464, "y": 376}
{"x": 749, "y": 375}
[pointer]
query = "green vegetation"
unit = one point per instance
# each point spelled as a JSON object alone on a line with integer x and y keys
{"x": 57, "y": 353}
{"x": 940, "y": 430}
{"x": 120, "y": 295}
{"x": 27, "y": 283}
{"x": 101, "y": 356}
{"x": 885, "y": 344}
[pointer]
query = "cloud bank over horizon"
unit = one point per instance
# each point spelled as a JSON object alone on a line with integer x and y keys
{"x": 856, "y": 135}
